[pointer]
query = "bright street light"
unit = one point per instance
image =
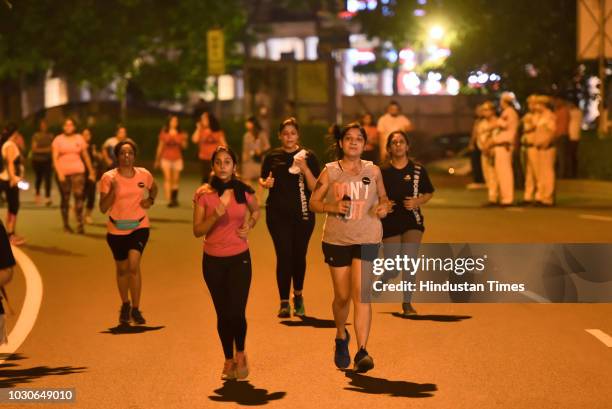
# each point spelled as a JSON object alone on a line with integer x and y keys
{"x": 436, "y": 32}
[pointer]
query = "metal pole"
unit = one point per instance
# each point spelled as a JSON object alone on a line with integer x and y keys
{"x": 602, "y": 68}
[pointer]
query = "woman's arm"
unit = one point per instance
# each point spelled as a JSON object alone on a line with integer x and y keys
{"x": 158, "y": 152}
{"x": 382, "y": 208}
{"x": 55, "y": 156}
{"x": 87, "y": 160}
{"x": 317, "y": 199}
{"x": 12, "y": 154}
{"x": 253, "y": 206}
{"x": 184, "y": 140}
{"x": 195, "y": 136}
{"x": 108, "y": 198}
{"x": 203, "y": 224}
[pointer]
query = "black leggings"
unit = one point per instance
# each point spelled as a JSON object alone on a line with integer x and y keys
{"x": 228, "y": 280}
{"x": 42, "y": 169}
{"x": 290, "y": 237}
{"x": 90, "y": 194}
{"x": 12, "y": 196}
{"x": 74, "y": 184}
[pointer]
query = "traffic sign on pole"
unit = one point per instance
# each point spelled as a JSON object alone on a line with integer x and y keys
{"x": 215, "y": 48}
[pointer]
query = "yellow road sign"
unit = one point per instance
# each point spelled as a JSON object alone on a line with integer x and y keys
{"x": 215, "y": 48}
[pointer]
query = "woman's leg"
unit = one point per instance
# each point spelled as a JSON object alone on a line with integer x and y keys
{"x": 123, "y": 279}
{"x": 216, "y": 276}
{"x": 78, "y": 189}
{"x": 65, "y": 189}
{"x": 362, "y": 311}
{"x": 282, "y": 237}
{"x": 38, "y": 172}
{"x": 134, "y": 276}
{"x": 166, "y": 170}
{"x": 341, "y": 279}
{"x": 240, "y": 277}
{"x": 47, "y": 170}
{"x": 410, "y": 241}
{"x": 301, "y": 236}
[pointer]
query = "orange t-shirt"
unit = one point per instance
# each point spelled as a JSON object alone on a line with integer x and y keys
{"x": 128, "y": 195}
{"x": 172, "y": 145}
{"x": 208, "y": 142}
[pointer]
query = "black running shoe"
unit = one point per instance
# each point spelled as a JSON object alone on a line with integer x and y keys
{"x": 363, "y": 361}
{"x": 342, "y": 357}
{"x": 137, "y": 317}
{"x": 124, "y": 314}
{"x": 285, "y": 310}
{"x": 298, "y": 306}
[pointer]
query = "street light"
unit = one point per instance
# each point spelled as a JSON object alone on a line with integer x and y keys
{"x": 436, "y": 32}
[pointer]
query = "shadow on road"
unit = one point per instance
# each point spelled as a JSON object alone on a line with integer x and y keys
{"x": 379, "y": 386}
{"x": 311, "y": 322}
{"x": 243, "y": 393}
{"x": 431, "y": 317}
{"x": 12, "y": 376}
{"x": 129, "y": 329}
{"x": 52, "y": 250}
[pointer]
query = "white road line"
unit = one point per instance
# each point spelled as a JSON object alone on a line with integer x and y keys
{"x": 535, "y": 296}
{"x": 602, "y": 336}
{"x": 31, "y": 303}
{"x": 595, "y": 217}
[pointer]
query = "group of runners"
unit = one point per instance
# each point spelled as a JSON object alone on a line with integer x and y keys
{"x": 364, "y": 205}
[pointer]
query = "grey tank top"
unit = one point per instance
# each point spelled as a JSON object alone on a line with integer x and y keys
{"x": 358, "y": 226}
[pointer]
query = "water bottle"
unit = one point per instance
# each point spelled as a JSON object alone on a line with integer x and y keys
{"x": 349, "y": 212}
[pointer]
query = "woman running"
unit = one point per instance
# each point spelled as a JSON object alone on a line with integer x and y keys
{"x": 7, "y": 262}
{"x": 70, "y": 158}
{"x": 220, "y": 214}
{"x": 10, "y": 175}
{"x": 208, "y": 136}
{"x": 255, "y": 144}
{"x": 408, "y": 187}
{"x": 290, "y": 173}
{"x": 42, "y": 162}
{"x": 352, "y": 194}
{"x": 126, "y": 193}
{"x": 172, "y": 141}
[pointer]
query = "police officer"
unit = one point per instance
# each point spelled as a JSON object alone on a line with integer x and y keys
{"x": 487, "y": 127}
{"x": 544, "y": 142}
{"x": 530, "y": 152}
{"x": 502, "y": 143}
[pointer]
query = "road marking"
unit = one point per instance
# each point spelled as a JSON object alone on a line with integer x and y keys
{"x": 535, "y": 296}
{"x": 602, "y": 336}
{"x": 31, "y": 303}
{"x": 595, "y": 217}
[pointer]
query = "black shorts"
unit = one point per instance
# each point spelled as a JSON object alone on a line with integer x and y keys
{"x": 6, "y": 254}
{"x": 121, "y": 244}
{"x": 342, "y": 256}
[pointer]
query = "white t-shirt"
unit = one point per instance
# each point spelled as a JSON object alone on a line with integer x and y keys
{"x": 4, "y": 175}
{"x": 388, "y": 123}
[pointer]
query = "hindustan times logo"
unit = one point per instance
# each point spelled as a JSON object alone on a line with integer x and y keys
{"x": 411, "y": 265}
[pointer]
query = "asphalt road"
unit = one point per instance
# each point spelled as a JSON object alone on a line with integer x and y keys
{"x": 450, "y": 356}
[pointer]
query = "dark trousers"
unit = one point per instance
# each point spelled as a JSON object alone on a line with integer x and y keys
{"x": 228, "y": 279}
{"x": 573, "y": 159}
{"x": 90, "y": 194}
{"x": 476, "y": 166}
{"x": 42, "y": 170}
{"x": 290, "y": 236}
{"x": 12, "y": 196}
{"x": 562, "y": 163}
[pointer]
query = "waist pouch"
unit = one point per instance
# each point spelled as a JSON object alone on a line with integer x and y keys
{"x": 127, "y": 224}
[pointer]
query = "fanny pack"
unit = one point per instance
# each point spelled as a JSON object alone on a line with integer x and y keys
{"x": 127, "y": 224}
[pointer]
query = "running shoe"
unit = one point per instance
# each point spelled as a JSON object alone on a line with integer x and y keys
{"x": 407, "y": 309}
{"x": 363, "y": 362}
{"x": 285, "y": 310}
{"x": 68, "y": 229}
{"x": 342, "y": 357}
{"x": 298, "y": 306}
{"x": 229, "y": 370}
{"x": 137, "y": 317}
{"x": 242, "y": 369}
{"x": 88, "y": 219}
{"x": 48, "y": 202}
{"x": 80, "y": 229}
{"x": 124, "y": 314}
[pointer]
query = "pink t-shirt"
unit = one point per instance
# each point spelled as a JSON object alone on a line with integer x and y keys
{"x": 222, "y": 239}
{"x": 69, "y": 161}
{"x": 172, "y": 145}
{"x": 128, "y": 195}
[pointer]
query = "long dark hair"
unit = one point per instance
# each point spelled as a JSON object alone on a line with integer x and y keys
{"x": 178, "y": 124}
{"x": 240, "y": 188}
{"x": 7, "y": 132}
{"x": 256, "y": 126}
{"x": 213, "y": 122}
{"x": 339, "y": 133}
{"x": 291, "y": 121}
